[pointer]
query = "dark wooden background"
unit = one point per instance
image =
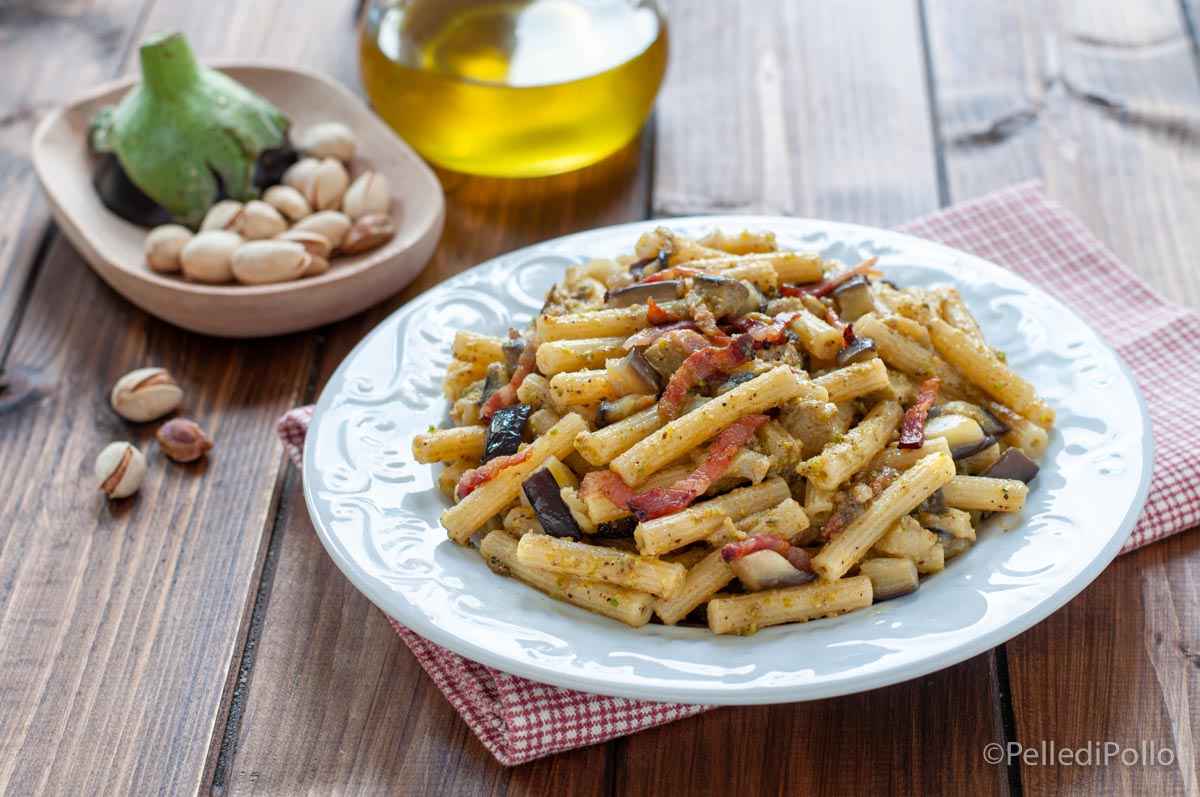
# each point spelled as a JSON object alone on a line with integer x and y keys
{"x": 199, "y": 639}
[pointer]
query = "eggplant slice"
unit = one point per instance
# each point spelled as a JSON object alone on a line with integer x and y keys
{"x": 662, "y": 291}
{"x": 1013, "y": 464}
{"x": 506, "y": 431}
{"x": 545, "y": 496}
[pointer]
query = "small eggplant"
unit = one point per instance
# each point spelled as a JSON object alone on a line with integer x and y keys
{"x": 620, "y": 409}
{"x": 959, "y": 430}
{"x": 122, "y": 197}
{"x": 1013, "y": 464}
{"x": 768, "y": 570}
{"x": 512, "y": 349}
{"x": 982, "y": 416}
{"x": 545, "y": 496}
{"x": 861, "y": 350}
{"x": 621, "y": 528}
{"x": 724, "y": 296}
{"x": 935, "y": 504}
{"x": 662, "y": 291}
{"x": 632, "y": 374}
{"x": 272, "y": 163}
{"x": 853, "y": 298}
{"x": 971, "y": 449}
{"x": 890, "y": 577}
{"x": 951, "y": 545}
{"x": 739, "y": 378}
{"x": 505, "y": 431}
{"x": 497, "y": 377}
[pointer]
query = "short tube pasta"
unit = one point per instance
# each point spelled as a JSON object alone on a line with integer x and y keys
{"x": 447, "y": 445}
{"x": 903, "y": 496}
{"x": 775, "y": 387}
{"x": 629, "y": 606}
{"x": 462, "y": 519}
{"x": 720, "y": 416}
{"x": 745, "y": 614}
{"x": 593, "y": 563}
{"x": 989, "y": 495}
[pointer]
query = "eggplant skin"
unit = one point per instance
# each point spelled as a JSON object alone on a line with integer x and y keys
{"x": 543, "y": 492}
{"x": 122, "y": 197}
{"x": 1013, "y": 464}
{"x": 622, "y": 527}
{"x": 506, "y": 431}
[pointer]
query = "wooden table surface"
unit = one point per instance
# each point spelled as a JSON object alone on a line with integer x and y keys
{"x": 199, "y": 639}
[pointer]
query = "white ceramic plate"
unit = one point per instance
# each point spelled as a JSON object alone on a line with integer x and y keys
{"x": 377, "y": 511}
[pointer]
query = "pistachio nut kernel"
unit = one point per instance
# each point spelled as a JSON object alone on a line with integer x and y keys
{"x": 300, "y": 174}
{"x": 264, "y": 262}
{"x": 260, "y": 220}
{"x": 330, "y": 223}
{"x": 183, "y": 440}
{"x": 369, "y": 232}
{"x": 119, "y": 470}
{"x": 317, "y": 266}
{"x": 329, "y": 140}
{"x": 163, "y": 245}
{"x": 313, "y": 242}
{"x": 145, "y": 394}
{"x": 328, "y": 185}
{"x": 288, "y": 201}
{"x": 369, "y": 193}
{"x": 225, "y": 215}
{"x": 208, "y": 257}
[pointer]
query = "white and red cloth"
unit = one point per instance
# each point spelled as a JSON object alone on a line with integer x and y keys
{"x": 1020, "y": 228}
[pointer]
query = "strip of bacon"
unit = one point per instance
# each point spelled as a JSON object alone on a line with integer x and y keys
{"x": 912, "y": 428}
{"x": 765, "y": 334}
{"x": 847, "y": 330}
{"x": 645, "y": 337}
{"x": 507, "y": 394}
{"x": 700, "y": 366}
{"x": 797, "y": 557}
{"x": 608, "y": 484}
{"x": 660, "y": 501}
{"x": 486, "y": 472}
{"x": 658, "y": 316}
{"x": 708, "y": 324}
{"x": 826, "y": 285}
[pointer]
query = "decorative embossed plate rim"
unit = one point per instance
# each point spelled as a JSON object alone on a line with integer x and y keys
{"x": 376, "y": 511}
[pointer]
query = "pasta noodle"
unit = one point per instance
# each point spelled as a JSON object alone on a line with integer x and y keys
{"x": 768, "y": 437}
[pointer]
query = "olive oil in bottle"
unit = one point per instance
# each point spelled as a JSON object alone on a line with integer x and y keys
{"x": 513, "y": 88}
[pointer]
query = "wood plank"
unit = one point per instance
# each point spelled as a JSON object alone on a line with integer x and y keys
{"x": 1100, "y": 100}
{"x": 806, "y": 108}
{"x": 337, "y": 704}
{"x": 823, "y": 114}
{"x": 129, "y": 617}
{"x": 368, "y": 719}
{"x": 913, "y": 738}
{"x": 32, "y": 39}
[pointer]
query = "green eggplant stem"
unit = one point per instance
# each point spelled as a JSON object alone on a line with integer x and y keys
{"x": 168, "y": 65}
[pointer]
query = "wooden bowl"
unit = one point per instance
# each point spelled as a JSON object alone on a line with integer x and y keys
{"x": 113, "y": 246}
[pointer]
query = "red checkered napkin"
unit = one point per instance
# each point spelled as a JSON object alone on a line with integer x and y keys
{"x": 1019, "y": 227}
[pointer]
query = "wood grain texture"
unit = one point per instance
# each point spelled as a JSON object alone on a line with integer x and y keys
{"x": 920, "y": 737}
{"x": 795, "y": 108}
{"x": 33, "y": 36}
{"x": 119, "y": 623}
{"x": 331, "y": 683}
{"x": 1100, "y": 100}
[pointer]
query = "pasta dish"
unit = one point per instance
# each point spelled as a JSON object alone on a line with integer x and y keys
{"x": 723, "y": 431}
